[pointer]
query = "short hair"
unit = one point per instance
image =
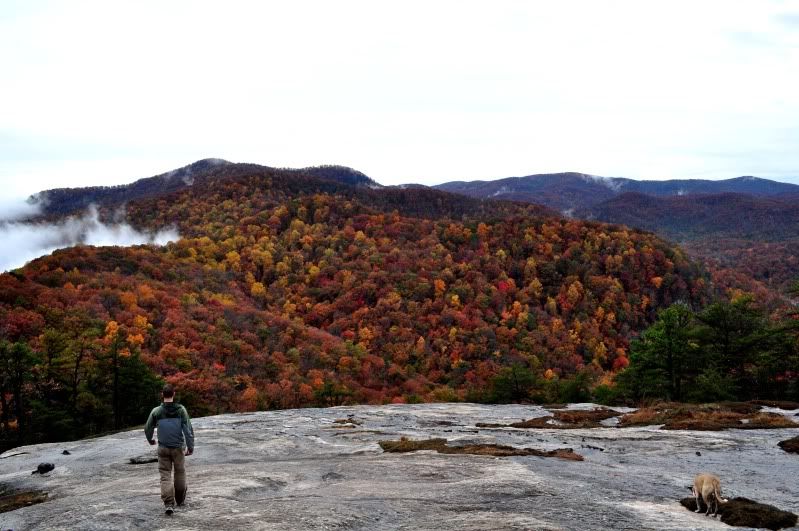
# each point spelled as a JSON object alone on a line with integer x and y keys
{"x": 168, "y": 391}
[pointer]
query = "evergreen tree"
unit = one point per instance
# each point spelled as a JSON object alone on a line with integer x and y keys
{"x": 734, "y": 335}
{"x": 16, "y": 373}
{"x": 665, "y": 356}
{"x": 512, "y": 384}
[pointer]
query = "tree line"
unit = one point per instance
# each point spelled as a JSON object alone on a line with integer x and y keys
{"x": 729, "y": 350}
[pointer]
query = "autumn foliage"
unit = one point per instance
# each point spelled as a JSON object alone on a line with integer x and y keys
{"x": 289, "y": 291}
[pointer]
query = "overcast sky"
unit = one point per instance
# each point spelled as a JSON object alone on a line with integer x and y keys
{"x": 427, "y": 91}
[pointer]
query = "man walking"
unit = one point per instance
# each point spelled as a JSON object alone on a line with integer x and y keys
{"x": 173, "y": 426}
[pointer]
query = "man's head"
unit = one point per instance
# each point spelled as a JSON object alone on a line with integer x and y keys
{"x": 168, "y": 392}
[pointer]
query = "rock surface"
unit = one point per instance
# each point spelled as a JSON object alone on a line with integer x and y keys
{"x": 300, "y": 469}
{"x": 791, "y": 445}
{"x": 743, "y": 512}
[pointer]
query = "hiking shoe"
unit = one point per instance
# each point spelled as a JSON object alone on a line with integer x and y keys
{"x": 169, "y": 510}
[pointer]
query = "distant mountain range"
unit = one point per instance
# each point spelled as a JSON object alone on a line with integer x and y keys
{"x": 568, "y": 192}
{"x": 681, "y": 210}
{"x": 716, "y": 220}
{"x": 211, "y": 174}
{"x": 688, "y": 217}
{"x": 747, "y": 224}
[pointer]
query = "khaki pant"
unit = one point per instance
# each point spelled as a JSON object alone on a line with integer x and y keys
{"x": 172, "y": 493}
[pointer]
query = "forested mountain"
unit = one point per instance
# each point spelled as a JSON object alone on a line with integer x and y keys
{"x": 744, "y": 229}
{"x": 561, "y": 191}
{"x": 579, "y": 191}
{"x": 61, "y": 201}
{"x": 755, "y": 236}
{"x": 341, "y": 174}
{"x": 290, "y": 290}
{"x": 689, "y": 217}
{"x": 739, "y": 185}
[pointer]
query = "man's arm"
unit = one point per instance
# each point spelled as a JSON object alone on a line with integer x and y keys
{"x": 188, "y": 431}
{"x": 149, "y": 428}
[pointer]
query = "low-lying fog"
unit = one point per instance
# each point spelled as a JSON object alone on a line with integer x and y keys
{"x": 22, "y": 241}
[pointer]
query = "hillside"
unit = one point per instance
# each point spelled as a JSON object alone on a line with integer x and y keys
{"x": 287, "y": 290}
{"x": 744, "y": 229}
{"x": 755, "y": 237}
{"x": 690, "y": 217}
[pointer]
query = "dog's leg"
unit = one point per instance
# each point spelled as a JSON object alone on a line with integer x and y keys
{"x": 696, "y": 497}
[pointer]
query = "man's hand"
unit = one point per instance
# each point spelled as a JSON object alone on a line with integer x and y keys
{"x": 189, "y": 451}
{"x": 152, "y": 442}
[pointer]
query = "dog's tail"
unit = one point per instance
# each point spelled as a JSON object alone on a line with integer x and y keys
{"x": 717, "y": 493}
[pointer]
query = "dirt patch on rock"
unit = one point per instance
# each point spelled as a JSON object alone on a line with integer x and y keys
{"x": 561, "y": 419}
{"x": 497, "y": 450}
{"x": 656, "y": 414}
{"x": 11, "y": 499}
{"x": 743, "y": 512}
{"x": 746, "y": 408}
{"x": 538, "y": 422}
{"x": 709, "y": 421}
{"x": 581, "y": 417}
{"x": 706, "y": 417}
{"x": 790, "y": 445}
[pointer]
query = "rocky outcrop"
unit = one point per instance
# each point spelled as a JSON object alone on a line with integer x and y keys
{"x": 743, "y": 512}
{"x": 790, "y": 445}
{"x": 300, "y": 469}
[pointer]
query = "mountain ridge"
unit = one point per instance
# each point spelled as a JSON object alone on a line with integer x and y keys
{"x": 573, "y": 190}
{"x": 563, "y": 191}
{"x": 61, "y": 201}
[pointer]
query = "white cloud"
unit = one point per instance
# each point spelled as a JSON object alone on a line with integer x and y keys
{"x": 22, "y": 242}
{"x": 608, "y": 182}
{"x": 410, "y": 92}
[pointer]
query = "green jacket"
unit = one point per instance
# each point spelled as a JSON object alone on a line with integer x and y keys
{"x": 173, "y": 424}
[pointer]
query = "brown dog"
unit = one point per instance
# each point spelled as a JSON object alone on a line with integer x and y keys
{"x": 707, "y": 487}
